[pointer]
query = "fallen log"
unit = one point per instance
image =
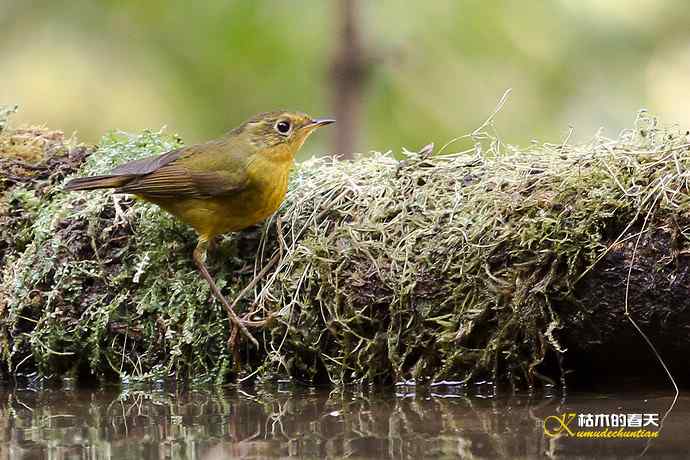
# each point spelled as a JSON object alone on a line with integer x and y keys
{"x": 513, "y": 265}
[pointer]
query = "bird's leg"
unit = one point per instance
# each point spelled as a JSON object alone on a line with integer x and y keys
{"x": 200, "y": 260}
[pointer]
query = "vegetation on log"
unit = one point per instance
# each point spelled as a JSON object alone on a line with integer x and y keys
{"x": 496, "y": 262}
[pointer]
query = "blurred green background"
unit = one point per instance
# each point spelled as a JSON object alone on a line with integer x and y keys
{"x": 430, "y": 71}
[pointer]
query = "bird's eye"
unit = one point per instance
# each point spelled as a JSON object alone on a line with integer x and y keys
{"x": 283, "y": 127}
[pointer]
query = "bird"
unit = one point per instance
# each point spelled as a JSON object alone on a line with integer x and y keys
{"x": 223, "y": 185}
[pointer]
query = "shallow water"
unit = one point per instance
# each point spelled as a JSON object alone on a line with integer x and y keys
{"x": 288, "y": 422}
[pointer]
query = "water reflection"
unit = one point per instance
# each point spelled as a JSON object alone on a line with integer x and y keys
{"x": 272, "y": 422}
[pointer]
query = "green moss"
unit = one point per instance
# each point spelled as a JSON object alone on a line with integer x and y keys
{"x": 443, "y": 267}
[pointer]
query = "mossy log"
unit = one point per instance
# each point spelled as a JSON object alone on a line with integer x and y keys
{"x": 515, "y": 265}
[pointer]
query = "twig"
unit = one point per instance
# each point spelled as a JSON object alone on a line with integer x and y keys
{"x": 477, "y": 131}
{"x": 276, "y": 257}
{"x": 637, "y": 327}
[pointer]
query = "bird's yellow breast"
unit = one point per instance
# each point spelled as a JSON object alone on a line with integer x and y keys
{"x": 261, "y": 197}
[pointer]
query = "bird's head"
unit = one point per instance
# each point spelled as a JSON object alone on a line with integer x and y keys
{"x": 280, "y": 133}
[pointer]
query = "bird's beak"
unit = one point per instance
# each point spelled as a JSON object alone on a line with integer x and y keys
{"x": 320, "y": 122}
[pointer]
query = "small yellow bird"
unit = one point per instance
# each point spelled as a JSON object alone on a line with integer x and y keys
{"x": 220, "y": 186}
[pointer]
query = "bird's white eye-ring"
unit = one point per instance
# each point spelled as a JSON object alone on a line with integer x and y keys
{"x": 283, "y": 127}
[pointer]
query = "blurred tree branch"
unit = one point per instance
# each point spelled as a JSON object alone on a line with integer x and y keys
{"x": 347, "y": 75}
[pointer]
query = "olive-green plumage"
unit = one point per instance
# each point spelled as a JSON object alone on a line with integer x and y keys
{"x": 223, "y": 185}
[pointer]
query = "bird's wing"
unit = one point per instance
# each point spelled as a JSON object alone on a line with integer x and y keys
{"x": 198, "y": 171}
{"x": 148, "y": 165}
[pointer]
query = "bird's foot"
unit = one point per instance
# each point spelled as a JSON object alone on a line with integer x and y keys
{"x": 234, "y": 330}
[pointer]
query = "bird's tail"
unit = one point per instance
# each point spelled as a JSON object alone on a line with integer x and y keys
{"x": 96, "y": 182}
